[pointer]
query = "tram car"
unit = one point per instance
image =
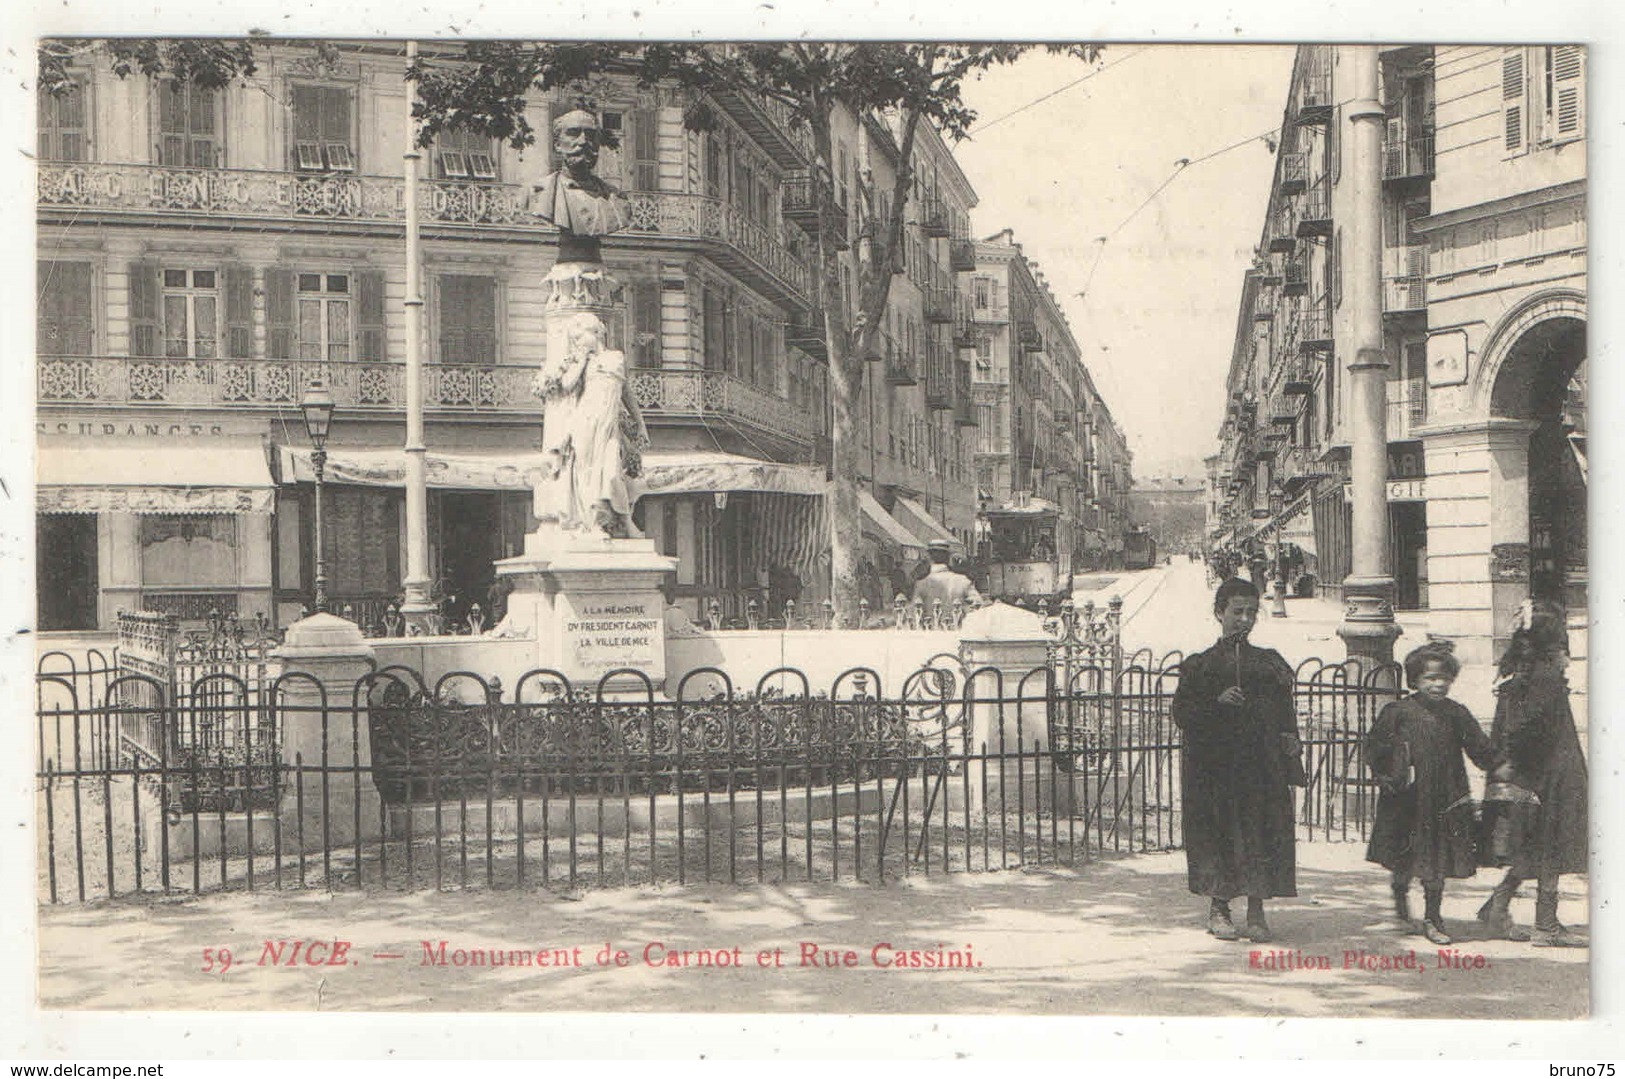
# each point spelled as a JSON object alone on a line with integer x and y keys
{"x": 1028, "y": 559}
{"x": 1139, "y": 549}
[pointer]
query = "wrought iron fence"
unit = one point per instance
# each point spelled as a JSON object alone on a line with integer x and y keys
{"x": 464, "y": 783}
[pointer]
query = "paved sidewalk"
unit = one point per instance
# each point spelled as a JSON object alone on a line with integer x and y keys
{"x": 1119, "y": 936}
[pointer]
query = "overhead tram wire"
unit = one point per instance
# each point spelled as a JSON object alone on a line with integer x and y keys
{"x": 1271, "y": 137}
{"x": 1060, "y": 90}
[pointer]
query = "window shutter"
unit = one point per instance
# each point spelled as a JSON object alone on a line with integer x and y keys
{"x": 451, "y": 311}
{"x": 279, "y": 314}
{"x": 200, "y": 146}
{"x": 66, "y": 320}
{"x": 1334, "y": 144}
{"x": 370, "y": 332}
{"x": 714, "y": 331}
{"x": 307, "y": 131}
{"x": 480, "y": 298}
{"x": 336, "y": 128}
{"x": 1394, "y": 152}
{"x": 713, "y": 165}
{"x": 1513, "y": 118}
{"x": 644, "y": 151}
{"x": 145, "y": 334}
{"x": 239, "y": 281}
{"x": 62, "y": 125}
{"x": 646, "y": 323}
{"x": 1568, "y": 82}
{"x": 171, "y": 124}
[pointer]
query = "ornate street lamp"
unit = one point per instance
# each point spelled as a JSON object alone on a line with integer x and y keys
{"x": 1277, "y": 506}
{"x": 317, "y": 405}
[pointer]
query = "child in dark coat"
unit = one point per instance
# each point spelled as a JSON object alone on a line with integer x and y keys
{"x": 1424, "y": 824}
{"x": 1534, "y": 728}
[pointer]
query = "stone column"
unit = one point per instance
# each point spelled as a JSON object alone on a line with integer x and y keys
{"x": 1011, "y": 714}
{"x": 1478, "y": 532}
{"x": 1368, "y": 628}
{"x": 340, "y": 802}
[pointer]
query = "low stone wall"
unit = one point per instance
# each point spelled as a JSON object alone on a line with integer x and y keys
{"x": 822, "y": 655}
{"x": 433, "y": 657}
{"x": 746, "y": 655}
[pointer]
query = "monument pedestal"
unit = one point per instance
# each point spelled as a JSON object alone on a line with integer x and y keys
{"x": 592, "y": 605}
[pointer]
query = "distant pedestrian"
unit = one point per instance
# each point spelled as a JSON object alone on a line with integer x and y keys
{"x": 942, "y": 585}
{"x": 1241, "y": 755}
{"x": 1424, "y": 824}
{"x": 1534, "y": 728}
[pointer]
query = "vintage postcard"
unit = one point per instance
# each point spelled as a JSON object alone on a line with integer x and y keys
{"x": 1077, "y": 529}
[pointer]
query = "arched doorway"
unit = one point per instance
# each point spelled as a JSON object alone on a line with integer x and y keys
{"x": 1543, "y": 381}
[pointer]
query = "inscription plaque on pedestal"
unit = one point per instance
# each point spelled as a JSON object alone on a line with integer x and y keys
{"x": 602, "y": 635}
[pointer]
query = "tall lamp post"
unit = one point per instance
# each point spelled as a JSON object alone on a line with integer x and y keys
{"x": 1277, "y": 505}
{"x": 317, "y": 406}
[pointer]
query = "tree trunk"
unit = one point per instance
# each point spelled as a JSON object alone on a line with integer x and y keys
{"x": 845, "y": 381}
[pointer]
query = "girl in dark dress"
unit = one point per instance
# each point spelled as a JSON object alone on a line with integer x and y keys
{"x": 1424, "y": 825}
{"x": 1234, "y": 707}
{"x": 1534, "y": 728}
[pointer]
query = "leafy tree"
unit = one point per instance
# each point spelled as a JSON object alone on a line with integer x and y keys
{"x": 482, "y": 86}
{"x": 907, "y": 84}
{"x": 211, "y": 63}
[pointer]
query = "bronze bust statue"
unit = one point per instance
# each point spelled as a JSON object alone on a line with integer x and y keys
{"x": 577, "y": 200}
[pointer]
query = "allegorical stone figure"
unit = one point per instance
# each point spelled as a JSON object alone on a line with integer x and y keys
{"x": 592, "y": 431}
{"x": 573, "y": 197}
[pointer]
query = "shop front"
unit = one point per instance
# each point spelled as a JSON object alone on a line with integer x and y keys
{"x": 171, "y": 518}
{"x": 742, "y": 529}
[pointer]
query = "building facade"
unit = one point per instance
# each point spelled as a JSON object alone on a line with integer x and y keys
{"x": 205, "y": 256}
{"x": 1482, "y": 175}
{"x": 1044, "y": 429}
{"x": 1173, "y": 509}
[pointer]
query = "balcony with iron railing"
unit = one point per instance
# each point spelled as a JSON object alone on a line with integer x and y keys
{"x": 1299, "y": 376}
{"x": 932, "y": 216}
{"x": 802, "y": 193}
{"x": 274, "y": 384}
{"x": 1405, "y": 285}
{"x": 1315, "y": 328}
{"x": 939, "y": 377}
{"x": 243, "y": 199}
{"x": 1028, "y": 336}
{"x": 964, "y": 399}
{"x": 962, "y": 254}
{"x": 938, "y": 301}
{"x": 1407, "y": 157}
{"x": 1282, "y": 410}
{"x": 1313, "y": 98}
{"x": 805, "y": 331}
{"x": 769, "y": 122}
{"x": 1295, "y": 276}
{"x": 1294, "y": 171}
{"x": 964, "y": 322}
{"x": 1315, "y": 216}
{"x": 1407, "y": 407}
{"x": 380, "y": 389}
{"x": 1283, "y": 227}
{"x": 902, "y": 365}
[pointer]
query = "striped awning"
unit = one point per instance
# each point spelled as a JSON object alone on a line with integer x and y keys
{"x": 665, "y": 472}
{"x": 886, "y": 528}
{"x": 231, "y": 476}
{"x": 922, "y": 524}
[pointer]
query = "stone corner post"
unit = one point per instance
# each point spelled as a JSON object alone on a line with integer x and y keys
{"x": 332, "y": 748}
{"x": 1008, "y": 712}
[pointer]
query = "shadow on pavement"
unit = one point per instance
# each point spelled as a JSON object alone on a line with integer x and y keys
{"x": 1118, "y": 936}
